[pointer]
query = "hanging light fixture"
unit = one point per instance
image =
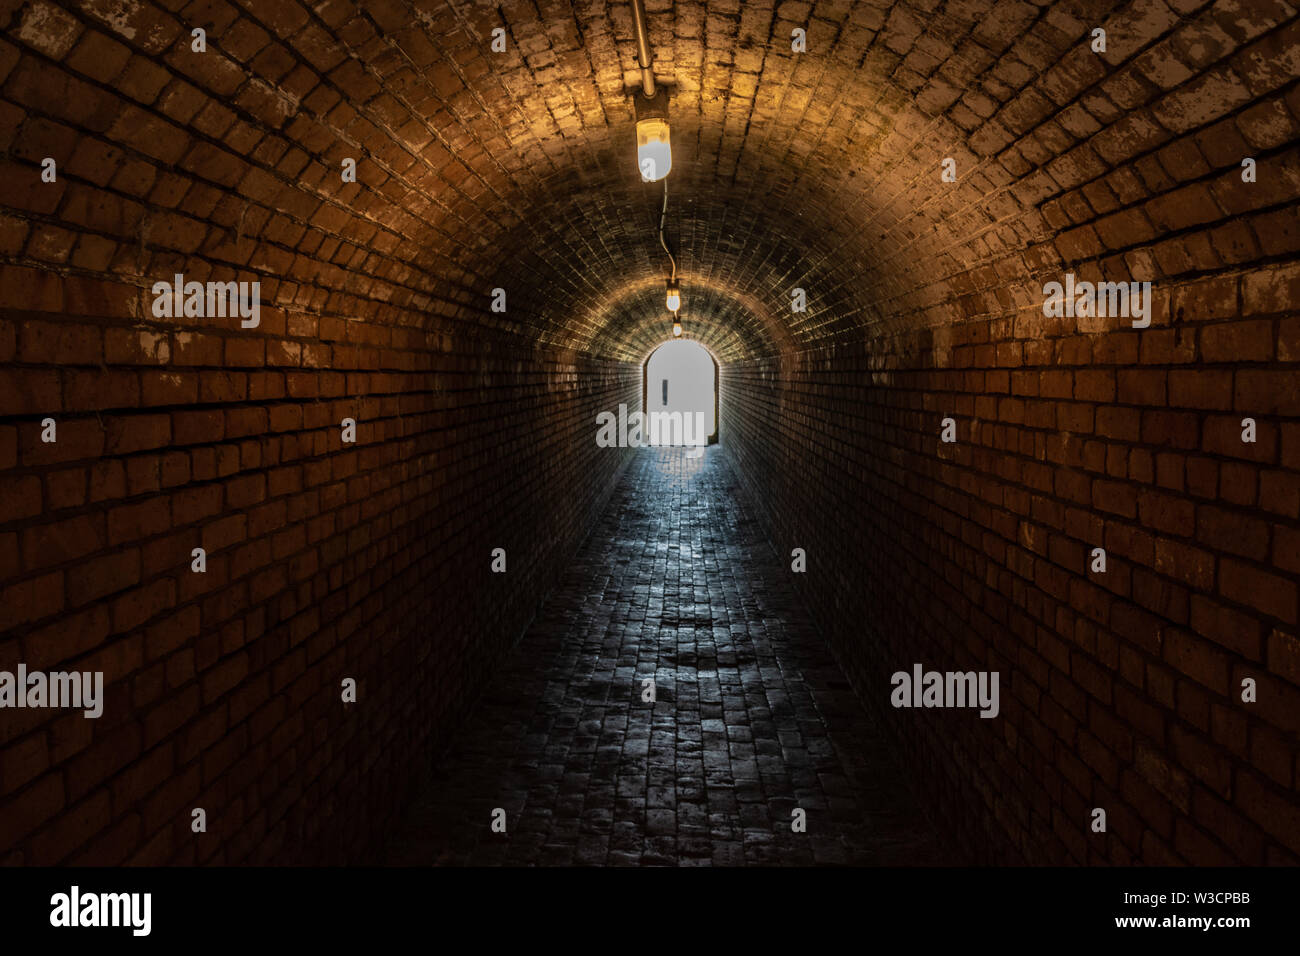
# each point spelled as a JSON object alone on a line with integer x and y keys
{"x": 653, "y": 152}
{"x": 654, "y": 155}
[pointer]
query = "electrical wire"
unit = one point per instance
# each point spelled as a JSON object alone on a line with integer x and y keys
{"x": 663, "y": 213}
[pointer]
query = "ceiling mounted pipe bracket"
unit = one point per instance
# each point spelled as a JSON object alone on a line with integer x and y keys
{"x": 652, "y": 107}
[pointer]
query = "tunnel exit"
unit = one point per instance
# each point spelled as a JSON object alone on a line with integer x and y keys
{"x": 681, "y": 377}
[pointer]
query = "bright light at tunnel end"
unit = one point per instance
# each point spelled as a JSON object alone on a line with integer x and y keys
{"x": 637, "y": 429}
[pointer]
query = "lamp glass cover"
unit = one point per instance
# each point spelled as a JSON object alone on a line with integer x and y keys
{"x": 653, "y": 153}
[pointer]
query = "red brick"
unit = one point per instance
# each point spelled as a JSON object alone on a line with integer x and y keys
{"x": 137, "y": 433}
{"x": 62, "y": 541}
{"x": 60, "y": 343}
{"x": 1273, "y": 595}
{"x": 76, "y": 440}
{"x": 168, "y": 388}
{"x": 136, "y": 347}
{"x": 103, "y": 576}
{"x": 31, "y": 599}
{"x": 20, "y": 497}
{"x": 1238, "y": 341}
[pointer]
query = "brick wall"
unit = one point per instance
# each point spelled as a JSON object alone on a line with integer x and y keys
{"x": 324, "y": 561}
{"x": 1120, "y": 690}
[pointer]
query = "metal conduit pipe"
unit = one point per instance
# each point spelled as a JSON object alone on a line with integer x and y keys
{"x": 643, "y": 47}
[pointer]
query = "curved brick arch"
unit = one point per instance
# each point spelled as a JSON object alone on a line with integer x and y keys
{"x": 477, "y": 170}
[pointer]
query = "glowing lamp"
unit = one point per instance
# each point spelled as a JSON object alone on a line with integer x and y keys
{"x": 654, "y": 154}
{"x": 674, "y": 298}
{"x": 677, "y": 330}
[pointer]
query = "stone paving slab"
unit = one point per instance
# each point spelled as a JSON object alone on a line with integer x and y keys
{"x": 752, "y": 717}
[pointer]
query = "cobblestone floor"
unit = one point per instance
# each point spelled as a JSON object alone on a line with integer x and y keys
{"x": 752, "y": 717}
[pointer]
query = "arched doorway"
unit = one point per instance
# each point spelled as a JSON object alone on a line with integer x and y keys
{"x": 680, "y": 377}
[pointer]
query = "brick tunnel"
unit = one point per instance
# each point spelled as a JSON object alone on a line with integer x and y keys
{"x": 356, "y": 646}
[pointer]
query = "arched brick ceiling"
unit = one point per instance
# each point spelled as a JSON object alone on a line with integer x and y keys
{"x": 818, "y": 169}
